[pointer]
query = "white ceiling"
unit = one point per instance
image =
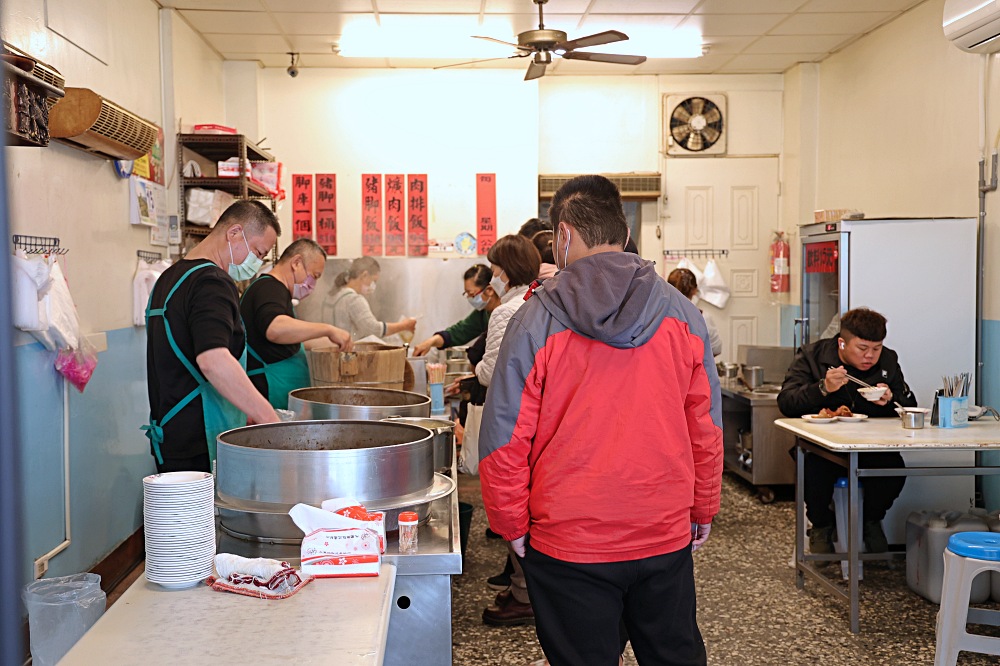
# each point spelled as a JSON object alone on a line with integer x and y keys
{"x": 742, "y": 36}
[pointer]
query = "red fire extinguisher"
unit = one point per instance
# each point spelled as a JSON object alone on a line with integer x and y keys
{"x": 779, "y": 252}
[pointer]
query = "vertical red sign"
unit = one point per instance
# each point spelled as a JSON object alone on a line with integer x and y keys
{"x": 486, "y": 211}
{"x": 371, "y": 214}
{"x": 395, "y": 215}
{"x": 302, "y": 206}
{"x": 326, "y": 212}
{"x": 416, "y": 185}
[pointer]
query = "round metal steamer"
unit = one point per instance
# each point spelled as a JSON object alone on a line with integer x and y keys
{"x": 264, "y": 470}
{"x": 444, "y": 439}
{"x": 320, "y": 402}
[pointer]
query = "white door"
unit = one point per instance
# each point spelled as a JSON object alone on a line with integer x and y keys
{"x": 728, "y": 204}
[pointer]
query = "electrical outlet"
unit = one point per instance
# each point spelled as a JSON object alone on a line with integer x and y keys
{"x": 41, "y": 566}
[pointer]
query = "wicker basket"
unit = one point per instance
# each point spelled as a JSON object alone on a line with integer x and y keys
{"x": 370, "y": 364}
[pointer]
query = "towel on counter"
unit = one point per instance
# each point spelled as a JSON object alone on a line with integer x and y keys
{"x": 255, "y": 577}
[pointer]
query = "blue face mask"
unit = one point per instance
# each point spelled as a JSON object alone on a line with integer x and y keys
{"x": 477, "y": 301}
{"x": 250, "y": 265}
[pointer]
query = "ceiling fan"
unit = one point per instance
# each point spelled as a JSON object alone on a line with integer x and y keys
{"x": 541, "y": 44}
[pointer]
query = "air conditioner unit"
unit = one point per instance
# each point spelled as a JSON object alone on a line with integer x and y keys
{"x": 631, "y": 185}
{"x": 85, "y": 120}
{"x": 973, "y": 25}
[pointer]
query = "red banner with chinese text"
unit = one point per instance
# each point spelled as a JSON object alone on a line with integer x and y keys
{"x": 417, "y": 214}
{"x": 326, "y": 212}
{"x": 486, "y": 211}
{"x": 371, "y": 215}
{"x": 395, "y": 215}
{"x": 302, "y": 206}
{"x": 821, "y": 257}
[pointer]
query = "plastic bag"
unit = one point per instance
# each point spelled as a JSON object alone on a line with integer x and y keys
{"x": 60, "y": 611}
{"x": 77, "y": 365}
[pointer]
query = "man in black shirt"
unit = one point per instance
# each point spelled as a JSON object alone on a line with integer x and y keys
{"x": 816, "y": 379}
{"x": 195, "y": 344}
{"x": 276, "y": 363}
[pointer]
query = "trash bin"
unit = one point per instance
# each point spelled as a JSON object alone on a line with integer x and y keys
{"x": 60, "y": 611}
{"x": 464, "y": 525}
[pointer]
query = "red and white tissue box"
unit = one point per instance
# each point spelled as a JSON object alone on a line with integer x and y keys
{"x": 341, "y": 553}
{"x": 358, "y": 516}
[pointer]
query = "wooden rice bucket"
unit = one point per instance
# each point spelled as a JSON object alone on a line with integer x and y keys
{"x": 370, "y": 364}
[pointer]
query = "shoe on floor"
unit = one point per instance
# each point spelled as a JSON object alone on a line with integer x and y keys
{"x": 508, "y": 612}
{"x": 490, "y": 534}
{"x": 502, "y": 580}
{"x": 874, "y": 537}
{"x": 821, "y": 539}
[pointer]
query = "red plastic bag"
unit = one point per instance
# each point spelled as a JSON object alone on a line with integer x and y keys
{"x": 77, "y": 365}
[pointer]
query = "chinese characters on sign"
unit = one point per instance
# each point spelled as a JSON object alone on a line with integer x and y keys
{"x": 821, "y": 257}
{"x": 486, "y": 211}
{"x": 326, "y": 212}
{"x": 302, "y": 205}
{"x": 395, "y": 215}
{"x": 417, "y": 214}
{"x": 371, "y": 214}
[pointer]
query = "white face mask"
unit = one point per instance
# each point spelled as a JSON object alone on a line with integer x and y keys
{"x": 498, "y": 285}
{"x": 249, "y": 266}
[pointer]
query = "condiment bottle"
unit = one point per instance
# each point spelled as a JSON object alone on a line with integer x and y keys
{"x": 407, "y": 533}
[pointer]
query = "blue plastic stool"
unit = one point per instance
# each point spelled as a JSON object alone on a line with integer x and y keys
{"x": 968, "y": 554}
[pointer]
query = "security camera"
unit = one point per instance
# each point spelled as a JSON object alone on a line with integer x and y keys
{"x": 293, "y": 69}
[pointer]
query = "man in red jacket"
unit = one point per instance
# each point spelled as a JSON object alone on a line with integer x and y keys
{"x": 601, "y": 444}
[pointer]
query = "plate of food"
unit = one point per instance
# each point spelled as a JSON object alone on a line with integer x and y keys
{"x": 852, "y": 418}
{"x": 817, "y": 418}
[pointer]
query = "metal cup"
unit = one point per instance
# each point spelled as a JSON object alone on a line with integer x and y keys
{"x": 913, "y": 420}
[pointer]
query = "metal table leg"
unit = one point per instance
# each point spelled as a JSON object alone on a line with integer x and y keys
{"x": 853, "y": 539}
{"x": 800, "y": 515}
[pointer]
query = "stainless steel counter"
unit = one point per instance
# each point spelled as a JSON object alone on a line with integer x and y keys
{"x": 754, "y": 448}
{"x": 420, "y": 613}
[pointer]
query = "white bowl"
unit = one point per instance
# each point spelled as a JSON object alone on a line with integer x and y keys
{"x": 874, "y": 393}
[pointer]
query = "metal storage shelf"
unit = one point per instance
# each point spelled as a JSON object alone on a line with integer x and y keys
{"x": 218, "y": 148}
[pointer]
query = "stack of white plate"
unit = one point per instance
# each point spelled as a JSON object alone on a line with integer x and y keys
{"x": 178, "y": 513}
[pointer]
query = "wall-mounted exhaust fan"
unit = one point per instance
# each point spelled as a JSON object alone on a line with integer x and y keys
{"x": 541, "y": 44}
{"x": 695, "y": 124}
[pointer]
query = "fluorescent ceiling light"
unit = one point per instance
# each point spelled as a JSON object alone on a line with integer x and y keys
{"x": 410, "y": 36}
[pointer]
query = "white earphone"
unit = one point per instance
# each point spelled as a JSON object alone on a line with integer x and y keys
{"x": 841, "y": 345}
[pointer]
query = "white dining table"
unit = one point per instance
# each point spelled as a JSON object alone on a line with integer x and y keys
{"x": 841, "y": 442}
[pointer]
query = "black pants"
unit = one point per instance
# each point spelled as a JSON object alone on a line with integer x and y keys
{"x": 200, "y": 463}
{"x": 579, "y": 609}
{"x": 880, "y": 492}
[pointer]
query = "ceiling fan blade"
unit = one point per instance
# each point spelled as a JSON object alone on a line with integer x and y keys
{"x": 614, "y": 58}
{"x": 535, "y": 71}
{"x": 500, "y": 41}
{"x": 606, "y": 37}
{"x": 476, "y": 62}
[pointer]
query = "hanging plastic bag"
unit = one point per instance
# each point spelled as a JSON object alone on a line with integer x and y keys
{"x": 77, "y": 365}
{"x": 713, "y": 287}
{"x": 31, "y": 282}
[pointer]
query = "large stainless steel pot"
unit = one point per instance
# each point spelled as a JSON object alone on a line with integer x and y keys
{"x": 264, "y": 470}
{"x": 311, "y": 461}
{"x": 320, "y": 402}
{"x": 444, "y": 439}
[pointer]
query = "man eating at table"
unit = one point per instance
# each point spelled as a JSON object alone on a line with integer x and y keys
{"x": 818, "y": 379}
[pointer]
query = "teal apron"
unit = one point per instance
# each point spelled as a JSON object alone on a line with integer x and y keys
{"x": 220, "y": 414}
{"x": 284, "y": 375}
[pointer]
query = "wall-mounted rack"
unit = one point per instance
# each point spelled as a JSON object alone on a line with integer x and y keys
{"x": 38, "y": 244}
{"x": 693, "y": 253}
{"x": 149, "y": 257}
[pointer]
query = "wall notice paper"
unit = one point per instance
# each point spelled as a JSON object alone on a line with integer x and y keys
{"x": 330, "y": 551}
{"x": 395, "y": 215}
{"x": 326, "y": 212}
{"x": 486, "y": 211}
{"x": 302, "y": 206}
{"x": 371, "y": 215}
{"x": 144, "y": 196}
{"x": 417, "y": 214}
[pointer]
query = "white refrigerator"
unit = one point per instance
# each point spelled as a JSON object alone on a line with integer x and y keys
{"x": 921, "y": 274}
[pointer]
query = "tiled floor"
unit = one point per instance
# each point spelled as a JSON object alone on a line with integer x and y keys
{"x": 749, "y": 610}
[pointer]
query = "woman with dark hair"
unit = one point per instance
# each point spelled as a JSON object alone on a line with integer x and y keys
{"x": 347, "y": 307}
{"x": 543, "y": 243}
{"x": 515, "y": 263}
{"x": 684, "y": 281}
{"x": 483, "y": 300}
